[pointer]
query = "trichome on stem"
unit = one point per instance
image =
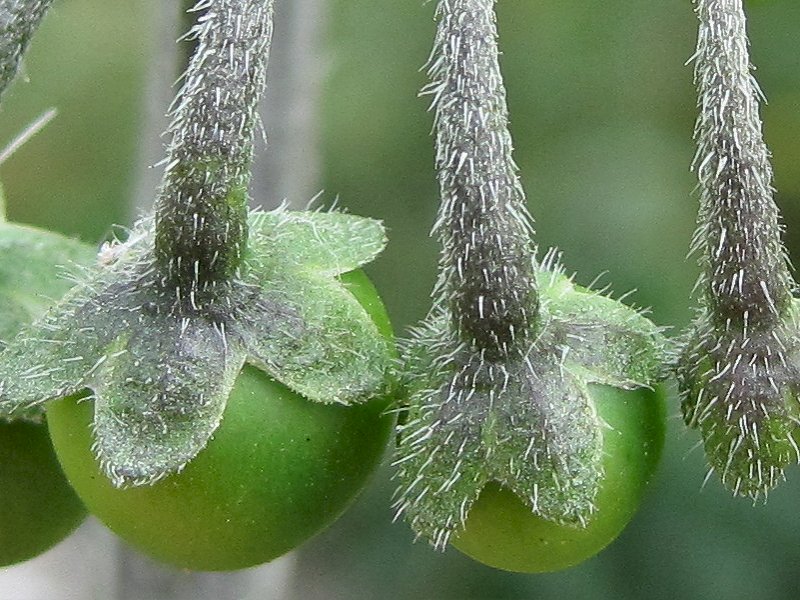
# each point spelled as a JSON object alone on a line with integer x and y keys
{"x": 738, "y": 371}
{"x": 499, "y": 371}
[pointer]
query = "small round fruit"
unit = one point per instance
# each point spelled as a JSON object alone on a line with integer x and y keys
{"x": 278, "y": 470}
{"x": 502, "y": 532}
{"x": 38, "y": 508}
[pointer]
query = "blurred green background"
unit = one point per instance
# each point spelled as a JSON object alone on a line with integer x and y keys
{"x": 602, "y": 110}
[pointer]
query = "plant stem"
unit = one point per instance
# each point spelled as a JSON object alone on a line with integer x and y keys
{"x": 18, "y": 20}
{"x": 201, "y": 212}
{"x": 747, "y": 279}
{"x": 487, "y": 259}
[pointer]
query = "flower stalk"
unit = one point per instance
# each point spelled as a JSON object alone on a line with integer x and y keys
{"x": 747, "y": 282}
{"x": 487, "y": 273}
{"x": 201, "y": 211}
{"x": 498, "y": 374}
{"x": 738, "y": 372}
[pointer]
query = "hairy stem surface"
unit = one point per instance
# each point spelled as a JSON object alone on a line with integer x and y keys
{"x": 201, "y": 212}
{"x": 738, "y": 372}
{"x": 487, "y": 268}
{"x": 747, "y": 282}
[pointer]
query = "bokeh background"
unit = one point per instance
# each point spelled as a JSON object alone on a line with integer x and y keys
{"x": 602, "y": 110}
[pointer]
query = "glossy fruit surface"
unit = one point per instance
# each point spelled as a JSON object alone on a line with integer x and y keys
{"x": 502, "y": 532}
{"x": 278, "y": 470}
{"x": 37, "y": 506}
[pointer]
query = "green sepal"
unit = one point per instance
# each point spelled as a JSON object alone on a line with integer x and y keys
{"x": 157, "y": 402}
{"x": 323, "y": 243}
{"x": 326, "y": 350}
{"x": 527, "y": 422}
{"x": 608, "y": 342}
{"x": 159, "y": 379}
{"x": 37, "y": 267}
{"x": 741, "y": 389}
{"x": 160, "y": 361}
